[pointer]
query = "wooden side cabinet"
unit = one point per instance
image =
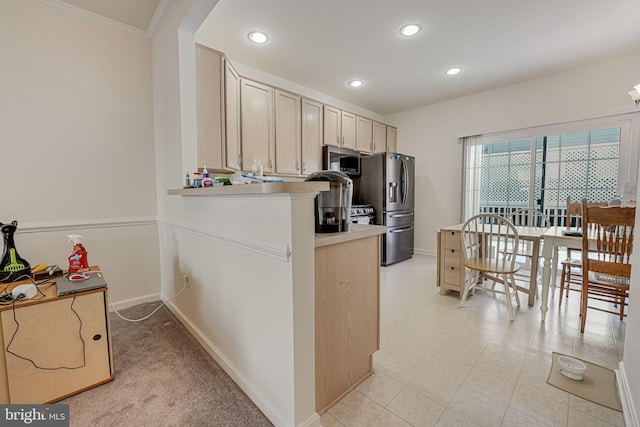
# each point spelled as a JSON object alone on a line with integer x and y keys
{"x": 59, "y": 346}
{"x": 451, "y": 271}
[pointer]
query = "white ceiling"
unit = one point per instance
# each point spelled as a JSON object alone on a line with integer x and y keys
{"x": 322, "y": 44}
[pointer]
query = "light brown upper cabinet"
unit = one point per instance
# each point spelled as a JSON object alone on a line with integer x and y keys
{"x": 339, "y": 128}
{"x": 258, "y": 134}
{"x": 312, "y": 126}
{"x": 332, "y": 122}
{"x": 210, "y": 108}
{"x": 379, "y": 137}
{"x": 288, "y": 133}
{"x": 233, "y": 148}
{"x": 392, "y": 135}
{"x": 364, "y": 135}
{"x": 239, "y": 120}
{"x": 349, "y": 130}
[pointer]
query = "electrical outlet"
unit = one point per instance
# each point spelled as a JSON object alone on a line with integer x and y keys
{"x": 186, "y": 280}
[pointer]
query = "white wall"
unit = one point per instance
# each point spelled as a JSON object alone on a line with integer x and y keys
{"x": 76, "y": 143}
{"x": 249, "y": 303}
{"x": 431, "y": 134}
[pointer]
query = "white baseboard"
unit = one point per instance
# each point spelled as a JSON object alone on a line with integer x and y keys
{"x": 121, "y": 305}
{"x": 425, "y": 252}
{"x": 628, "y": 410}
{"x": 312, "y": 421}
{"x": 236, "y": 375}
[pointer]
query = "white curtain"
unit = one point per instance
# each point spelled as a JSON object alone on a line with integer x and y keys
{"x": 472, "y": 173}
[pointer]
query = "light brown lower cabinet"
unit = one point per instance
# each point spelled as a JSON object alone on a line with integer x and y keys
{"x": 54, "y": 347}
{"x": 347, "y": 317}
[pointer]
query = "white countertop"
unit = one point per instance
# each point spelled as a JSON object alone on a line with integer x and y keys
{"x": 356, "y": 231}
{"x": 261, "y": 188}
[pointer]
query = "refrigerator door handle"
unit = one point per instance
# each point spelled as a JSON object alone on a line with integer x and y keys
{"x": 405, "y": 181}
{"x": 401, "y": 230}
{"x": 400, "y": 215}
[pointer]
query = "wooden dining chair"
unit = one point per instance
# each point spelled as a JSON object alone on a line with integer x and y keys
{"x": 483, "y": 239}
{"x": 527, "y": 217}
{"x": 571, "y": 271}
{"x": 606, "y": 269}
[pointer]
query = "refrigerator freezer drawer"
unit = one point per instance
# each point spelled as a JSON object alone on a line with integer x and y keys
{"x": 397, "y": 244}
{"x": 398, "y": 218}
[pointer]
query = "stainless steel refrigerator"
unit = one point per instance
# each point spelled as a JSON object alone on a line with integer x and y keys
{"x": 387, "y": 183}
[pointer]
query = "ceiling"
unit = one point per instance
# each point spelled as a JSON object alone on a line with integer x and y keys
{"x": 324, "y": 44}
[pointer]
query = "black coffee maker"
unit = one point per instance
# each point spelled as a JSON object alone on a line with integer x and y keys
{"x": 333, "y": 207}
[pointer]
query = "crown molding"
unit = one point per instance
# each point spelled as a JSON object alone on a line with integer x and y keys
{"x": 160, "y": 14}
{"x": 103, "y": 20}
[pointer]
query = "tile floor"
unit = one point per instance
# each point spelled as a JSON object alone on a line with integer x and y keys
{"x": 441, "y": 365}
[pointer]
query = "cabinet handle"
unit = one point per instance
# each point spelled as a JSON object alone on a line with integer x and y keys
{"x": 304, "y": 166}
{"x": 297, "y": 165}
{"x": 270, "y": 164}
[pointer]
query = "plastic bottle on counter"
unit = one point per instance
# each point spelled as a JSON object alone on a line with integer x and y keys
{"x": 256, "y": 169}
{"x": 197, "y": 179}
{"x": 206, "y": 178}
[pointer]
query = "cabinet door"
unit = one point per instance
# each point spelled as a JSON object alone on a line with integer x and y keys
{"x": 332, "y": 135}
{"x": 348, "y": 130}
{"x": 392, "y": 134}
{"x": 209, "y": 107}
{"x": 311, "y": 136}
{"x": 379, "y": 137}
{"x": 67, "y": 338}
{"x": 347, "y": 315}
{"x": 288, "y": 133}
{"x": 257, "y": 125}
{"x": 233, "y": 153}
{"x": 364, "y": 136}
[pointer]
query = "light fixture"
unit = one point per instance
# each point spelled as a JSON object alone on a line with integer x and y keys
{"x": 410, "y": 30}
{"x": 258, "y": 37}
{"x": 356, "y": 83}
{"x": 453, "y": 71}
{"x": 635, "y": 94}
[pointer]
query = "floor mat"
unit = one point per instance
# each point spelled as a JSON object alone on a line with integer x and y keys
{"x": 597, "y": 386}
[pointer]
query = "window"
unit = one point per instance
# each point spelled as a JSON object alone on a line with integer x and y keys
{"x": 541, "y": 169}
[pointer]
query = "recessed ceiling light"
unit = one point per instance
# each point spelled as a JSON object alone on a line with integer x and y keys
{"x": 258, "y": 37}
{"x": 453, "y": 71}
{"x": 410, "y": 30}
{"x": 356, "y": 83}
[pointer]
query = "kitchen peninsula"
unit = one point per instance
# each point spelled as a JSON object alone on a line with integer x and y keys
{"x": 293, "y": 340}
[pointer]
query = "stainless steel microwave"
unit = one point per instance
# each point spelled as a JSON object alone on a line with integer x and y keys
{"x": 341, "y": 159}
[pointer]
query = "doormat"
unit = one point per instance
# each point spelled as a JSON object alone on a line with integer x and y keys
{"x": 597, "y": 386}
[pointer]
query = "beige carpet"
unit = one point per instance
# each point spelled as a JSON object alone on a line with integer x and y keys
{"x": 597, "y": 386}
{"x": 163, "y": 378}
